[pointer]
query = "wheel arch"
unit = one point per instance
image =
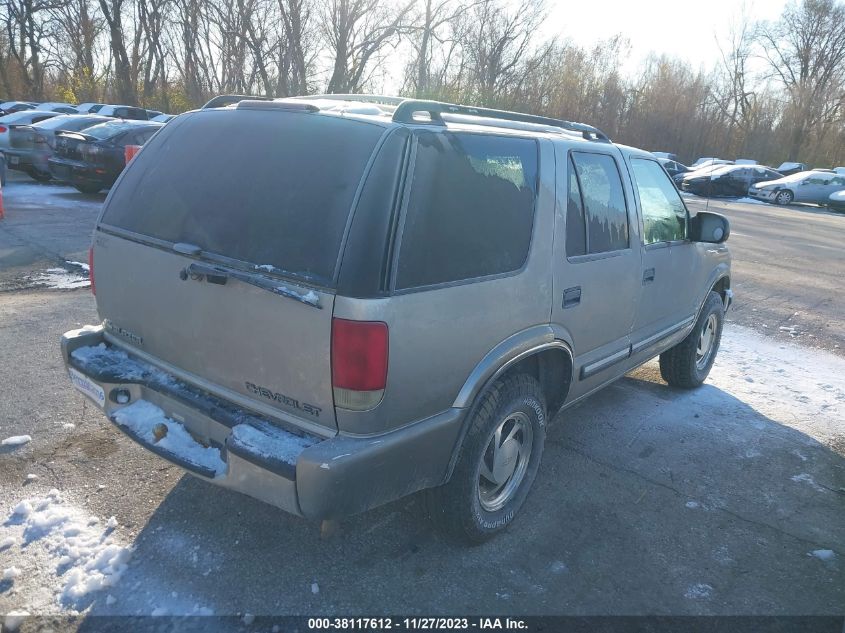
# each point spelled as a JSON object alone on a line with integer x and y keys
{"x": 535, "y": 351}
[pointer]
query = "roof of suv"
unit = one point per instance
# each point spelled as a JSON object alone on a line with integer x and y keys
{"x": 388, "y": 111}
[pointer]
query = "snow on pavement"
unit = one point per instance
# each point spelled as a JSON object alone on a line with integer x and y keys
{"x": 75, "y": 555}
{"x": 791, "y": 384}
{"x": 16, "y": 440}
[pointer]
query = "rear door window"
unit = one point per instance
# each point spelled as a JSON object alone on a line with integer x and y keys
{"x": 604, "y": 202}
{"x": 471, "y": 208}
{"x": 266, "y": 188}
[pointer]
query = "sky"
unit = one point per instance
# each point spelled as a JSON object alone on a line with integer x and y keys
{"x": 687, "y": 29}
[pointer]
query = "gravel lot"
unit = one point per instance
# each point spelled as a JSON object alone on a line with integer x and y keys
{"x": 726, "y": 500}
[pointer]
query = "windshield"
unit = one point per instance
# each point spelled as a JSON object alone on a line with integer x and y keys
{"x": 277, "y": 193}
{"x": 801, "y": 175}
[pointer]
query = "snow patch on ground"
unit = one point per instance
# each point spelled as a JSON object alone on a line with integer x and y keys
{"x": 808, "y": 479}
{"x": 16, "y": 440}
{"x": 13, "y": 620}
{"x": 791, "y": 382}
{"x": 60, "y": 278}
{"x": 823, "y": 554}
{"x": 748, "y": 200}
{"x": 83, "y": 557}
{"x": 144, "y": 419}
{"x": 698, "y": 591}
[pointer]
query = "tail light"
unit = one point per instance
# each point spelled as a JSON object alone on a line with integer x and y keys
{"x": 129, "y": 153}
{"x": 3, "y": 128}
{"x": 359, "y": 363}
{"x": 91, "y": 269}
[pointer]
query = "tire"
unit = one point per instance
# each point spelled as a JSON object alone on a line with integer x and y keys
{"x": 88, "y": 188}
{"x": 472, "y": 507}
{"x": 686, "y": 365}
{"x": 39, "y": 176}
{"x": 784, "y": 197}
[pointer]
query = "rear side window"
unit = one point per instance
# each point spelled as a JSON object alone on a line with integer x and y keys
{"x": 471, "y": 208}
{"x": 267, "y": 188}
{"x": 606, "y": 215}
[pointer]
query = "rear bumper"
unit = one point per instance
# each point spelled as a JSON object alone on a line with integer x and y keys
{"x": 318, "y": 478}
{"x": 25, "y": 160}
{"x": 77, "y": 172}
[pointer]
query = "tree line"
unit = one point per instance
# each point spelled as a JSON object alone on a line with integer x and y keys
{"x": 776, "y": 91}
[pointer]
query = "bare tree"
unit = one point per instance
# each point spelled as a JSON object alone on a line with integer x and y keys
{"x": 356, "y": 31}
{"x": 805, "y": 50}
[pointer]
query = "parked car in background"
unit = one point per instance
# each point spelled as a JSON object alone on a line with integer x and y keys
{"x": 91, "y": 160}
{"x": 666, "y": 155}
{"x": 163, "y": 118}
{"x": 58, "y": 106}
{"x": 32, "y": 145}
{"x": 706, "y": 162}
{"x": 728, "y": 180}
{"x": 9, "y": 107}
{"x": 836, "y": 201}
{"x": 89, "y": 107}
{"x": 745, "y": 161}
{"x": 694, "y": 173}
{"x": 813, "y": 187}
{"x": 123, "y": 112}
{"x": 839, "y": 170}
{"x": 24, "y": 117}
{"x": 673, "y": 167}
{"x": 787, "y": 169}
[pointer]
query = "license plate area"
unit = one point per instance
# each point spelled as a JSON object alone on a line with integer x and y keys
{"x": 88, "y": 387}
{"x": 14, "y": 160}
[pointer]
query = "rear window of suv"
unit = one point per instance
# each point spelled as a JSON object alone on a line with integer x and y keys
{"x": 267, "y": 188}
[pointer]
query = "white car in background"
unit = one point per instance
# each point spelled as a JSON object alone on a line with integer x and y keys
{"x": 24, "y": 117}
{"x": 814, "y": 187}
{"x": 58, "y": 106}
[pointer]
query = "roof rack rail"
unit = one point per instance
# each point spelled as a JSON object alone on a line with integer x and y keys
{"x": 221, "y": 101}
{"x": 406, "y": 110}
{"x": 379, "y": 99}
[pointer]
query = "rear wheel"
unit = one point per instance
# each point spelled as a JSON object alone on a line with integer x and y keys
{"x": 40, "y": 176}
{"x": 689, "y": 362}
{"x": 88, "y": 187}
{"x": 498, "y": 462}
{"x": 784, "y": 197}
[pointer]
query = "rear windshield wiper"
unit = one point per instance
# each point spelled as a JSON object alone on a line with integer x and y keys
{"x": 219, "y": 275}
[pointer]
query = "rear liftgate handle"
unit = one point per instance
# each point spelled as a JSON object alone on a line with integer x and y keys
{"x": 648, "y": 276}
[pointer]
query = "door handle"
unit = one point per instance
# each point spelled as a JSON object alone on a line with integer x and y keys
{"x": 571, "y": 297}
{"x": 648, "y": 275}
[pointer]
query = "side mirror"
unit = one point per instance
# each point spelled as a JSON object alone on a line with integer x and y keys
{"x": 709, "y": 227}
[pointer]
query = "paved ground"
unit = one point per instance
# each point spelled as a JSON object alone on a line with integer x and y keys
{"x": 726, "y": 500}
{"x": 788, "y": 270}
